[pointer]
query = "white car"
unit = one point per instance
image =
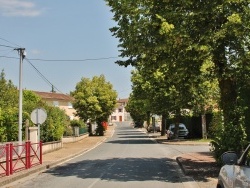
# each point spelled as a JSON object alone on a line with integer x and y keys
{"x": 183, "y": 131}
{"x": 235, "y": 172}
{"x": 155, "y": 128}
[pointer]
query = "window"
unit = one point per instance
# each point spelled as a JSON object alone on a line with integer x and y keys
{"x": 56, "y": 103}
{"x": 120, "y": 109}
{"x": 70, "y": 106}
{"x": 113, "y": 117}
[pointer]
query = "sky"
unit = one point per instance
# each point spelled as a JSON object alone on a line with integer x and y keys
{"x": 73, "y": 34}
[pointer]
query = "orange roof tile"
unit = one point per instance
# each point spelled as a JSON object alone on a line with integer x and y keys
{"x": 57, "y": 96}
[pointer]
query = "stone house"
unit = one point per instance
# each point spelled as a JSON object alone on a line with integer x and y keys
{"x": 120, "y": 114}
{"x": 59, "y": 100}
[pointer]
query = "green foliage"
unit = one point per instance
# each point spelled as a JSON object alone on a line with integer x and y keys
{"x": 95, "y": 99}
{"x": 216, "y": 125}
{"x": 55, "y": 124}
{"x": 226, "y": 136}
{"x": 137, "y": 109}
{"x": 77, "y": 123}
{"x": 100, "y": 129}
{"x": 69, "y": 130}
{"x": 51, "y": 130}
{"x": 186, "y": 53}
{"x": 8, "y": 110}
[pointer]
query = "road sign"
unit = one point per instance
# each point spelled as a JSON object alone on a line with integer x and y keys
{"x": 38, "y": 116}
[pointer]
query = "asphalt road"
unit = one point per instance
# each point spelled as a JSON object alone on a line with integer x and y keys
{"x": 128, "y": 159}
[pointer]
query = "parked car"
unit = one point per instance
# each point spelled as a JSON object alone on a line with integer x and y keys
{"x": 137, "y": 124}
{"x": 155, "y": 128}
{"x": 183, "y": 131}
{"x": 235, "y": 172}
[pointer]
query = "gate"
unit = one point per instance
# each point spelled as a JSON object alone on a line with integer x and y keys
{"x": 15, "y": 158}
{"x": 4, "y": 160}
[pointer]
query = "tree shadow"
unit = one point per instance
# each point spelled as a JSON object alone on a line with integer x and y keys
{"x": 200, "y": 165}
{"x": 136, "y": 136}
{"x": 131, "y": 141}
{"x": 131, "y": 133}
{"x": 121, "y": 169}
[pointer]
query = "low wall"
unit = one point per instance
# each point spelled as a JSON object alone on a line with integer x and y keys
{"x": 74, "y": 138}
{"x": 51, "y": 146}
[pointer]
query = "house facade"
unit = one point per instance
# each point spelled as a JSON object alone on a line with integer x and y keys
{"x": 120, "y": 114}
{"x": 59, "y": 100}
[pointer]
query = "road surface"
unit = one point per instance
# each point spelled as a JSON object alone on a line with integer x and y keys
{"x": 128, "y": 159}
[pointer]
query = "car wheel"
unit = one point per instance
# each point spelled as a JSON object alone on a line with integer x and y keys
{"x": 219, "y": 186}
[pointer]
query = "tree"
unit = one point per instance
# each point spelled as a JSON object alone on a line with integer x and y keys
{"x": 158, "y": 50}
{"x": 180, "y": 36}
{"x": 55, "y": 124}
{"x": 95, "y": 100}
{"x": 8, "y": 110}
{"x": 137, "y": 109}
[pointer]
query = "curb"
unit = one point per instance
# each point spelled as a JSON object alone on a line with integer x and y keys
{"x": 185, "y": 143}
{"x": 181, "y": 166}
{"x": 39, "y": 168}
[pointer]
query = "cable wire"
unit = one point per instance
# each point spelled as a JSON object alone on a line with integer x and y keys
{"x": 10, "y": 42}
{"x": 42, "y": 76}
{"x": 8, "y": 57}
{"x": 7, "y": 46}
{"x": 58, "y": 60}
{"x": 91, "y": 59}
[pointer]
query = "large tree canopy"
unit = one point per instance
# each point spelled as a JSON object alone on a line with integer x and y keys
{"x": 179, "y": 38}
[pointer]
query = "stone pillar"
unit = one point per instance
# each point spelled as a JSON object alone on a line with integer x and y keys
{"x": 33, "y": 134}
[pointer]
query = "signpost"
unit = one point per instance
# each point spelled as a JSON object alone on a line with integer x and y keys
{"x": 38, "y": 117}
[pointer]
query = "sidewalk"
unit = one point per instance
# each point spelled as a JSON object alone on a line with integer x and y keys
{"x": 200, "y": 166}
{"x": 56, "y": 157}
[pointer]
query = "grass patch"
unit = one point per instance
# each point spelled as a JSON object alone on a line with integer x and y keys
{"x": 200, "y": 140}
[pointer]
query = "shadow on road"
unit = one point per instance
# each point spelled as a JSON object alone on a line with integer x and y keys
{"x": 121, "y": 169}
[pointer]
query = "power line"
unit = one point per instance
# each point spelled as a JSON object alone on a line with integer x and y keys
{"x": 55, "y": 60}
{"x": 91, "y": 59}
{"x": 43, "y": 77}
{"x": 10, "y": 42}
{"x": 58, "y": 60}
{"x": 8, "y": 57}
{"x": 7, "y": 46}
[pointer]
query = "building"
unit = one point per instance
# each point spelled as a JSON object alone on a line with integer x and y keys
{"x": 60, "y": 100}
{"x": 120, "y": 114}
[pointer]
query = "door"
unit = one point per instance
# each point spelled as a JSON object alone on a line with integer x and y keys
{"x": 120, "y": 118}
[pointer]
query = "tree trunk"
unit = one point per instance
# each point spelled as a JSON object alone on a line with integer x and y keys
{"x": 177, "y": 122}
{"x": 229, "y": 100}
{"x": 204, "y": 126}
{"x": 227, "y": 85}
{"x": 163, "y": 125}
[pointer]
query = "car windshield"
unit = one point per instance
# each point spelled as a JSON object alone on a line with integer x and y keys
{"x": 181, "y": 127}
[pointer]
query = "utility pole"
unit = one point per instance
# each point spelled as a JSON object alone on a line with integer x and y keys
{"x": 22, "y": 53}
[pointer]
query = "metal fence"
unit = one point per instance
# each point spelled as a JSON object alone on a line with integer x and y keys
{"x": 15, "y": 158}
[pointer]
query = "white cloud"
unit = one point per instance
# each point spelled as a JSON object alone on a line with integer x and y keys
{"x": 35, "y": 52}
{"x": 18, "y": 8}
